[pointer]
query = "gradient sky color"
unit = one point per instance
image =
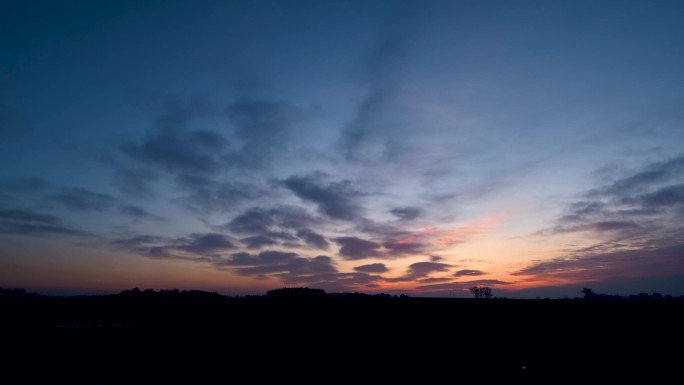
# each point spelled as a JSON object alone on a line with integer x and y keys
{"x": 419, "y": 147}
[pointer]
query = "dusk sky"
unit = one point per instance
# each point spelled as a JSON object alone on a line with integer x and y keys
{"x": 418, "y": 147}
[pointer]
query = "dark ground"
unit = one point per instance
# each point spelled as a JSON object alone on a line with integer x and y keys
{"x": 212, "y": 339}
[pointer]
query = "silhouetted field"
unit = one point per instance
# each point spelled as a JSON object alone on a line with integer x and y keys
{"x": 205, "y": 338}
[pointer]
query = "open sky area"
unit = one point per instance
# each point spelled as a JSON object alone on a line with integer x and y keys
{"x": 418, "y": 147}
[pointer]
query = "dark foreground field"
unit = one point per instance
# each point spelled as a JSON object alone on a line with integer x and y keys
{"x": 212, "y": 339}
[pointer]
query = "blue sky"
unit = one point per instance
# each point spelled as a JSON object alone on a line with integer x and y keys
{"x": 396, "y": 146}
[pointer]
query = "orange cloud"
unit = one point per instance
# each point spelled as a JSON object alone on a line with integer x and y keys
{"x": 468, "y": 230}
{"x": 415, "y": 237}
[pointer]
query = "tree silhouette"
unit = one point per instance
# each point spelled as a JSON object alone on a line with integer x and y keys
{"x": 486, "y": 292}
{"x": 482, "y": 292}
{"x": 588, "y": 293}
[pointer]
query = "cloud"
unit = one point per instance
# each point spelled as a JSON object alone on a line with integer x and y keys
{"x": 28, "y": 216}
{"x": 468, "y": 273}
{"x": 645, "y": 205}
{"x": 356, "y": 248}
{"x": 200, "y": 160}
{"x": 198, "y": 247}
{"x": 651, "y": 175}
{"x": 313, "y": 239}
{"x": 135, "y": 181}
{"x": 381, "y": 67}
{"x": 209, "y": 243}
{"x": 172, "y": 147}
{"x": 277, "y": 222}
{"x": 664, "y": 177}
{"x": 614, "y": 226}
{"x": 422, "y": 269}
{"x": 79, "y": 199}
{"x": 469, "y": 230}
{"x": 366, "y": 120}
{"x": 40, "y": 230}
{"x": 487, "y": 282}
{"x": 30, "y": 184}
{"x": 197, "y": 152}
{"x": 288, "y": 267}
{"x": 14, "y": 191}
{"x": 271, "y": 262}
{"x": 263, "y": 127}
{"x": 599, "y": 227}
{"x": 162, "y": 252}
{"x": 638, "y": 222}
{"x": 336, "y": 200}
{"x": 263, "y": 258}
{"x": 258, "y": 241}
{"x": 333, "y": 281}
{"x": 407, "y": 244}
{"x": 31, "y": 223}
{"x": 138, "y": 240}
{"x": 372, "y": 268}
{"x": 463, "y": 285}
{"x": 255, "y": 131}
{"x": 395, "y": 241}
{"x": 643, "y": 262}
{"x": 214, "y": 171}
{"x": 254, "y": 220}
{"x": 138, "y": 213}
{"x": 665, "y": 197}
{"x": 406, "y": 213}
{"x": 432, "y": 280}
{"x": 209, "y": 195}
{"x": 179, "y": 113}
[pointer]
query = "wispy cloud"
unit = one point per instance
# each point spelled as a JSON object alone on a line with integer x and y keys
{"x": 467, "y": 231}
{"x": 642, "y": 262}
{"x": 80, "y": 199}
{"x": 197, "y": 152}
{"x": 31, "y": 223}
{"x": 636, "y": 219}
{"x": 406, "y": 213}
{"x": 138, "y": 212}
{"x": 468, "y": 273}
{"x": 461, "y": 286}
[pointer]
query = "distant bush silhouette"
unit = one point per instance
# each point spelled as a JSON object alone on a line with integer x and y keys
{"x": 12, "y": 292}
{"x": 174, "y": 293}
{"x": 589, "y": 294}
{"x": 296, "y": 292}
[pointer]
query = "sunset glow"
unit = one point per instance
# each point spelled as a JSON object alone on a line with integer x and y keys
{"x": 418, "y": 147}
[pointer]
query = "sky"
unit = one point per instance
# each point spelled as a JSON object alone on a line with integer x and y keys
{"x": 418, "y": 147}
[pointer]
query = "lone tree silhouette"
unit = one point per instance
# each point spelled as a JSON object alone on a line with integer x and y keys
{"x": 482, "y": 292}
{"x": 588, "y": 293}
